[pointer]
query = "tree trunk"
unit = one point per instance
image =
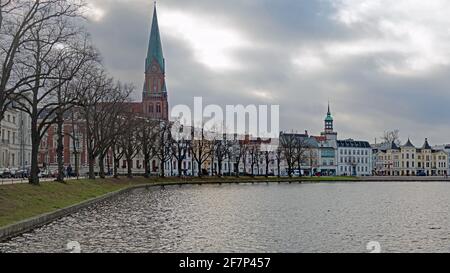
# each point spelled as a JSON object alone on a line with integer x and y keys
{"x": 101, "y": 165}
{"x": 35, "y": 139}
{"x": 91, "y": 167}
{"x": 219, "y": 166}
{"x": 129, "y": 165}
{"x": 180, "y": 164}
{"x": 60, "y": 147}
{"x": 278, "y": 167}
{"x": 116, "y": 167}
{"x": 199, "y": 167}
{"x": 34, "y": 176}
{"x": 162, "y": 171}
{"x": 147, "y": 166}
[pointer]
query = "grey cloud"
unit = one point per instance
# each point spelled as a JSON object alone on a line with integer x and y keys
{"x": 374, "y": 101}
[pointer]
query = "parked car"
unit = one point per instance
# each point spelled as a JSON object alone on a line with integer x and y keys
{"x": 21, "y": 174}
{"x": 421, "y": 174}
{"x": 5, "y": 173}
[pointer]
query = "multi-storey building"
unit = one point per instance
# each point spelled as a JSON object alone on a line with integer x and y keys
{"x": 407, "y": 160}
{"x": 354, "y": 158}
{"x": 15, "y": 140}
{"x": 446, "y": 149}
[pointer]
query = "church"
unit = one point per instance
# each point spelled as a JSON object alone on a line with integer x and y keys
{"x": 154, "y": 104}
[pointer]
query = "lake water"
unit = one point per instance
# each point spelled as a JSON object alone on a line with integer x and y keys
{"x": 325, "y": 217}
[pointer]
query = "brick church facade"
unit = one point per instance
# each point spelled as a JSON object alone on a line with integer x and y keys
{"x": 154, "y": 105}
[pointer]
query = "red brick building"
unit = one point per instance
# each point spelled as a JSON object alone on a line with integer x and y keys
{"x": 154, "y": 105}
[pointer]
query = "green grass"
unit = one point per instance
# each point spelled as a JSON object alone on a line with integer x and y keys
{"x": 22, "y": 201}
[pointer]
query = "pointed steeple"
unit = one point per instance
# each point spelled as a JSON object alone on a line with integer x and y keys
{"x": 426, "y": 145}
{"x": 155, "y": 51}
{"x": 329, "y": 116}
{"x": 408, "y": 144}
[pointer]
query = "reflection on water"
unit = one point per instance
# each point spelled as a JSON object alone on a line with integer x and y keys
{"x": 328, "y": 217}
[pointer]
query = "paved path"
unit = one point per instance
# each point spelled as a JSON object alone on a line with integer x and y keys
{"x": 12, "y": 181}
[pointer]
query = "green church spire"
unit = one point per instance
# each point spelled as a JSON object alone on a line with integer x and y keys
{"x": 154, "y": 46}
{"x": 329, "y": 116}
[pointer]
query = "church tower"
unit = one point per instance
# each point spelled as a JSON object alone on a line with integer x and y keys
{"x": 329, "y": 128}
{"x": 155, "y": 101}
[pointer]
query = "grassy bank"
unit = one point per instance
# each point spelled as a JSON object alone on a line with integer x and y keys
{"x": 22, "y": 201}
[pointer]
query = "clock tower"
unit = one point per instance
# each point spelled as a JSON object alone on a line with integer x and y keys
{"x": 154, "y": 98}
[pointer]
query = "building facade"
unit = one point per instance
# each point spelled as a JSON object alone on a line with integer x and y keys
{"x": 15, "y": 140}
{"x": 407, "y": 160}
{"x": 354, "y": 158}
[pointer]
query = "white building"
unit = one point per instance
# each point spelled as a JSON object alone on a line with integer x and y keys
{"x": 354, "y": 158}
{"x": 15, "y": 140}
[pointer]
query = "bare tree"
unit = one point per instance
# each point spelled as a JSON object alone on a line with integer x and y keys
{"x": 301, "y": 147}
{"x": 180, "y": 147}
{"x": 130, "y": 143}
{"x": 103, "y": 106}
{"x": 81, "y": 57}
{"x": 221, "y": 152}
{"x": 238, "y": 151}
{"x": 20, "y": 20}
{"x": 254, "y": 153}
{"x": 279, "y": 157}
{"x": 47, "y": 50}
{"x": 201, "y": 148}
{"x": 4, "y": 5}
{"x": 148, "y": 133}
{"x": 391, "y": 137}
{"x": 288, "y": 145}
{"x": 163, "y": 150}
{"x": 267, "y": 161}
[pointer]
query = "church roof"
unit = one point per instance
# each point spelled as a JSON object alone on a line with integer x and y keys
{"x": 155, "y": 46}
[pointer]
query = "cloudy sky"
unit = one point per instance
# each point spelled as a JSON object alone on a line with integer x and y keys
{"x": 382, "y": 64}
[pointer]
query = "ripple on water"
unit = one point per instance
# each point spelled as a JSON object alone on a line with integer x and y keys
{"x": 337, "y": 217}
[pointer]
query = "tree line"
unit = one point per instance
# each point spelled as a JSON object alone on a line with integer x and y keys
{"x": 50, "y": 70}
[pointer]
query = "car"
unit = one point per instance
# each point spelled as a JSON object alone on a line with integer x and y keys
{"x": 21, "y": 174}
{"x": 421, "y": 174}
{"x": 5, "y": 173}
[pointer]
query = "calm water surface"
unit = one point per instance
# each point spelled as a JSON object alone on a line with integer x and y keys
{"x": 328, "y": 217}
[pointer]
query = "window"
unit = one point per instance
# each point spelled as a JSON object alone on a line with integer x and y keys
{"x": 150, "y": 108}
